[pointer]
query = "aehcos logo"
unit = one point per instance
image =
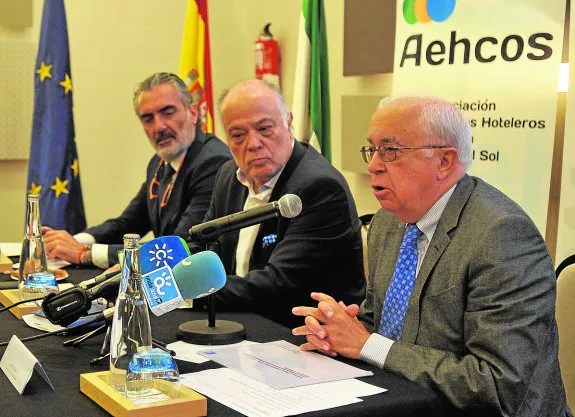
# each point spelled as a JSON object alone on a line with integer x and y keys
{"x": 424, "y": 11}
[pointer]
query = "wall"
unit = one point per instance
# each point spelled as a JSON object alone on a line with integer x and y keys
{"x": 114, "y": 45}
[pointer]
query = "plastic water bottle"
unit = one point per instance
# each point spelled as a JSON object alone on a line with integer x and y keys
{"x": 131, "y": 333}
{"x": 34, "y": 280}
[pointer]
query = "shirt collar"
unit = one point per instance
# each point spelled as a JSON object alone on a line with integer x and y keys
{"x": 244, "y": 180}
{"x": 428, "y": 223}
{"x": 178, "y": 161}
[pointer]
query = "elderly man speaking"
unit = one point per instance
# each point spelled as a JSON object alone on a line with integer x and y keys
{"x": 461, "y": 297}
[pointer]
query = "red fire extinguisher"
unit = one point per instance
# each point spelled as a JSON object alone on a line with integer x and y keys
{"x": 268, "y": 57}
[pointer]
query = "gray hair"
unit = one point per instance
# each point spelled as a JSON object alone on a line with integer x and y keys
{"x": 277, "y": 93}
{"x": 440, "y": 119}
{"x": 163, "y": 78}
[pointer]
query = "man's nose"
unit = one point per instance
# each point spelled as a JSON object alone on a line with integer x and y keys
{"x": 159, "y": 124}
{"x": 376, "y": 165}
{"x": 254, "y": 140}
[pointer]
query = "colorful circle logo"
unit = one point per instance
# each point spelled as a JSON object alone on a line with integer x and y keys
{"x": 424, "y": 11}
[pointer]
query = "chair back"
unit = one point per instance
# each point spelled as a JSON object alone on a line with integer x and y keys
{"x": 365, "y": 221}
{"x": 564, "y": 313}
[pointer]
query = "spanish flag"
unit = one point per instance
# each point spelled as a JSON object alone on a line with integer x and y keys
{"x": 195, "y": 67}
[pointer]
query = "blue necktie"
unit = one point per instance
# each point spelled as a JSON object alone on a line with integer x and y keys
{"x": 401, "y": 285}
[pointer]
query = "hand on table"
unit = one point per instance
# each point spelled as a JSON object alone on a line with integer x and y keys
{"x": 332, "y": 328}
{"x": 61, "y": 245}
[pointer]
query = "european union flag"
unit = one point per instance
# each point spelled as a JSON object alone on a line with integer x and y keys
{"x": 53, "y": 170}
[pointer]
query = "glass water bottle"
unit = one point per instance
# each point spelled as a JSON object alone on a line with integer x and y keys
{"x": 131, "y": 331}
{"x": 34, "y": 280}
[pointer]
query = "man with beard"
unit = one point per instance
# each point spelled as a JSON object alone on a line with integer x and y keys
{"x": 179, "y": 179}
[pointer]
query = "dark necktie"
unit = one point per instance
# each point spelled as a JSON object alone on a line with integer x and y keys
{"x": 401, "y": 285}
{"x": 165, "y": 186}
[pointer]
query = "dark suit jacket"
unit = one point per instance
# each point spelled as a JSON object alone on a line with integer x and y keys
{"x": 319, "y": 250}
{"x": 480, "y": 326}
{"x": 188, "y": 203}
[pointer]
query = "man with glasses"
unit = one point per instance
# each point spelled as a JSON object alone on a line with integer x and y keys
{"x": 179, "y": 179}
{"x": 461, "y": 296}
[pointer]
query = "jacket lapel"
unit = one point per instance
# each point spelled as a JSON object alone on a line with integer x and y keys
{"x": 441, "y": 238}
{"x": 273, "y": 229}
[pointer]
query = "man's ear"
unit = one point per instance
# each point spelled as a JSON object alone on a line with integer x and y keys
{"x": 193, "y": 109}
{"x": 448, "y": 160}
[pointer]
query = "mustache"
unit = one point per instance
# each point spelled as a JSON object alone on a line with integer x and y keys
{"x": 164, "y": 134}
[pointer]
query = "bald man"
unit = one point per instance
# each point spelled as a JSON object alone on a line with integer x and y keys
{"x": 274, "y": 266}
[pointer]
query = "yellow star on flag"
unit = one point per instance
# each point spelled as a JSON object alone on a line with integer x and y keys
{"x": 75, "y": 168}
{"x": 67, "y": 84}
{"x": 44, "y": 71}
{"x": 60, "y": 187}
{"x": 35, "y": 189}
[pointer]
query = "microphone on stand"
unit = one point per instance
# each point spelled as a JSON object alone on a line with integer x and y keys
{"x": 224, "y": 331}
{"x": 288, "y": 206}
{"x": 196, "y": 276}
{"x": 98, "y": 279}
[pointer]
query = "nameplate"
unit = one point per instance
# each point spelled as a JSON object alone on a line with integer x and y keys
{"x": 18, "y": 363}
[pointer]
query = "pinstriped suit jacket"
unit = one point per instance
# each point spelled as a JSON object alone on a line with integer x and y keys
{"x": 480, "y": 326}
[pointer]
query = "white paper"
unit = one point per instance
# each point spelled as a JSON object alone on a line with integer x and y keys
{"x": 253, "y": 398}
{"x": 40, "y": 323}
{"x": 18, "y": 363}
{"x": 189, "y": 352}
{"x": 283, "y": 365}
{"x": 52, "y": 264}
{"x": 11, "y": 248}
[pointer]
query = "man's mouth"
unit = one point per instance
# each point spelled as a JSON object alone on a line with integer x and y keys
{"x": 257, "y": 161}
{"x": 164, "y": 138}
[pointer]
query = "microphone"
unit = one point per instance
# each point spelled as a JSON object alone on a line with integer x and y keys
{"x": 68, "y": 306}
{"x": 196, "y": 276}
{"x": 98, "y": 279}
{"x": 159, "y": 254}
{"x": 289, "y": 206}
{"x": 164, "y": 251}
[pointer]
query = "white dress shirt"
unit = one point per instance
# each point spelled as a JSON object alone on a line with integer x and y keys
{"x": 248, "y": 235}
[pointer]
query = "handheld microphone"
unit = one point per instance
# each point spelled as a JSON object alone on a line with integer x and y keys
{"x": 289, "y": 206}
{"x": 162, "y": 251}
{"x": 68, "y": 306}
{"x": 196, "y": 276}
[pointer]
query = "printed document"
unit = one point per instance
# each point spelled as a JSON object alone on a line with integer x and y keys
{"x": 283, "y": 365}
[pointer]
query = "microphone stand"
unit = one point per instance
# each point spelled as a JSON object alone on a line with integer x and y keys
{"x": 210, "y": 332}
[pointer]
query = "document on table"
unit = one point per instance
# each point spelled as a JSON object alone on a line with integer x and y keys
{"x": 255, "y": 399}
{"x": 189, "y": 352}
{"x": 11, "y": 248}
{"x": 282, "y": 365}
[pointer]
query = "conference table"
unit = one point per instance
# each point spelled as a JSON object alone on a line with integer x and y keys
{"x": 64, "y": 365}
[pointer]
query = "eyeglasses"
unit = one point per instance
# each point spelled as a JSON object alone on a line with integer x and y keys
{"x": 389, "y": 153}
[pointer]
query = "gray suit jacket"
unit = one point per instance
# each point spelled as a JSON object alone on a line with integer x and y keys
{"x": 480, "y": 326}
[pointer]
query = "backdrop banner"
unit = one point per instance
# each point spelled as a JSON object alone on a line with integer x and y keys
{"x": 497, "y": 61}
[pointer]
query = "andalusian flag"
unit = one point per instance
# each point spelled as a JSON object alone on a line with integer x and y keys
{"x": 311, "y": 106}
{"x": 195, "y": 67}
